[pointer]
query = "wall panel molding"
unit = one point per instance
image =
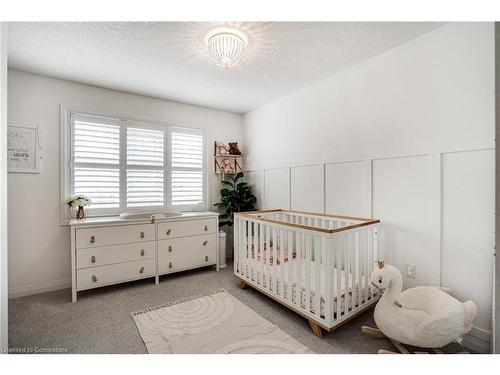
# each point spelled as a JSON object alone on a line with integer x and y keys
{"x": 364, "y": 170}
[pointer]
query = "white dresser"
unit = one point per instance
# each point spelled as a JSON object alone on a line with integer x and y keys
{"x": 111, "y": 250}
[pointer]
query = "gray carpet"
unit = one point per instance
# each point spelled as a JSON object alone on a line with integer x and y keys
{"x": 100, "y": 321}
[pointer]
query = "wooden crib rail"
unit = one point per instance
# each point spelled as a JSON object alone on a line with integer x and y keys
{"x": 356, "y": 222}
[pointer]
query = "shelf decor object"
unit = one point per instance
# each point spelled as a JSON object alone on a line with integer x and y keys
{"x": 227, "y": 160}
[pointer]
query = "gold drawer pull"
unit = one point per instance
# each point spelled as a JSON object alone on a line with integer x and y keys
{"x": 205, "y": 243}
{"x": 142, "y": 252}
{"x": 92, "y": 239}
{"x": 168, "y": 231}
{"x": 170, "y": 265}
{"x": 142, "y": 234}
{"x": 170, "y": 249}
{"x": 142, "y": 269}
{"x": 94, "y": 279}
{"x": 92, "y": 259}
{"x": 206, "y": 258}
{"x": 206, "y": 228}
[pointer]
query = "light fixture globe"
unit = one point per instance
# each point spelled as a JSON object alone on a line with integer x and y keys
{"x": 226, "y": 46}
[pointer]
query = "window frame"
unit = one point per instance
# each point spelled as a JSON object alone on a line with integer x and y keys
{"x": 66, "y": 164}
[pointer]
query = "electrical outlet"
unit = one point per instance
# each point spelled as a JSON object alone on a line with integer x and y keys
{"x": 411, "y": 271}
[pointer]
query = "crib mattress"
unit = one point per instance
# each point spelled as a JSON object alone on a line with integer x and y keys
{"x": 361, "y": 287}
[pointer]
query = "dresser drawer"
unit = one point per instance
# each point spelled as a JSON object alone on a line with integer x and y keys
{"x": 184, "y": 261}
{"x": 182, "y": 245}
{"x": 186, "y": 228}
{"x": 87, "y": 278}
{"x": 103, "y": 236}
{"x": 100, "y": 256}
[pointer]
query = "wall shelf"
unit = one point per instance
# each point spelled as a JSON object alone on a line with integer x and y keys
{"x": 226, "y": 164}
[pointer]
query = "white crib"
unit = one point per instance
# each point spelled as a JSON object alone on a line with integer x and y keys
{"x": 317, "y": 265}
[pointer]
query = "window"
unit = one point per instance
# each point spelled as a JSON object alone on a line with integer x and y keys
{"x": 124, "y": 165}
{"x": 96, "y": 160}
{"x": 145, "y": 167}
{"x": 187, "y": 173}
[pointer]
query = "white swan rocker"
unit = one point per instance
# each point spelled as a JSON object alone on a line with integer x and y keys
{"x": 424, "y": 316}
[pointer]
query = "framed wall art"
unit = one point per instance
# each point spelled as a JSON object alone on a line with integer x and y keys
{"x": 24, "y": 149}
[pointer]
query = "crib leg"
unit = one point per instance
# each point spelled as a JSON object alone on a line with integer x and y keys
{"x": 317, "y": 331}
{"x": 243, "y": 285}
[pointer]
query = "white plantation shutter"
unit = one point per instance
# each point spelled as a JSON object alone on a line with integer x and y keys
{"x": 187, "y": 168}
{"x": 122, "y": 164}
{"x": 145, "y": 167}
{"x": 96, "y": 159}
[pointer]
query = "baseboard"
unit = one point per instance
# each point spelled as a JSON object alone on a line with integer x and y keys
{"x": 48, "y": 286}
{"x": 478, "y": 340}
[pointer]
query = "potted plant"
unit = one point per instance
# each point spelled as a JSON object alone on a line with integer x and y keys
{"x": 236, "y": 196}
{"x": 79, "y": 201}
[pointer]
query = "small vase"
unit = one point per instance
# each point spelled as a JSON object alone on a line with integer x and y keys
{"x": 80, "y": 213}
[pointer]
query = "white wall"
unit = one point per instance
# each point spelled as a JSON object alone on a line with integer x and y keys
{"x": 39, "y": 256}
{"x": 407, "y": 137}
{"x": 3, "y": 186}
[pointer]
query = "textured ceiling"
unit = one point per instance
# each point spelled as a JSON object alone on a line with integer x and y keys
{"x": 169, "y": 59}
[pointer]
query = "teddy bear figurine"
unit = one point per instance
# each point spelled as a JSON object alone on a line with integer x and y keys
{"x": 233, "y": 148}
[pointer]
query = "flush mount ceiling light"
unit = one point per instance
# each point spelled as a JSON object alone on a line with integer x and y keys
{"x": 226, "y": 46}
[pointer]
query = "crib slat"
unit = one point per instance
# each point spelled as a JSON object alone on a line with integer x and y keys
{"x": 294, "y": 274}
{"x": 360, "y": 269}
{"x": 299, "y": 248}
{"x": 375, "y": 247}
{"x": 275, "y": 260}
{"x": 290, "y": 249}
{"x": 348, "y": 274}
{"x": 236, "y": 250}
{"x": 317, "y": 272}
{"x": 249, "y": 250}
{"x": 342, "y": 275}
{"x": 307, "y": 265}
{"x": 281, "y": 247}
{"x": 366, "y": 276}
{"x": 259, "y": 258}
{"x": 253, "y": 246}
{"x": 245, "y": 249}
{"x": 355, "y": 272}
{"x": 266, "y": 257}
{"x": 300, "y": 256}
{"x": 338, "y": 285}
{"x": 255, "y": 253}
{"x": 243, "y": 241}
{"x": 328, "y": 250}
{"x": 370, "y": 260}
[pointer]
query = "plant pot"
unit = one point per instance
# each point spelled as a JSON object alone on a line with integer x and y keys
{"x": 229, "y": 241}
